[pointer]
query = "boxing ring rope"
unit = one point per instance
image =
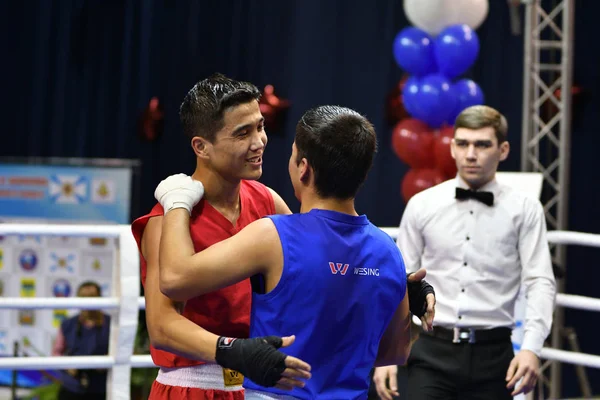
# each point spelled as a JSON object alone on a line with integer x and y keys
{"x": 126, "y": 303}
{"x": 83, "y": 303}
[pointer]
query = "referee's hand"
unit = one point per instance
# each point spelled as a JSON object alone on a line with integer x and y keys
{"x": 386, "y": 382}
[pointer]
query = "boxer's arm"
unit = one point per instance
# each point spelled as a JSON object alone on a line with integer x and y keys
{"x": 185, "y": 274}
{"x": 280, "y": 206}
{"x": 167, "y": 328}
{"x": 256, "y": 358}
{"x": 394, "y": 345}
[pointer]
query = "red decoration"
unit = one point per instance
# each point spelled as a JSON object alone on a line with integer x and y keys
{"x": 150, "y": 125}
{"x": 273, "y": 109}
{"x": 394, "y": 104}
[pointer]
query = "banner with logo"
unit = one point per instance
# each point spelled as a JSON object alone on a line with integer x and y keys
{"x": 65, "y": 193}
{"x": 47, "y": 266}
{"x": 53, "y": 266}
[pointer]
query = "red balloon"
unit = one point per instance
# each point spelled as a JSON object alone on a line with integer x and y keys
{"x": 412, "y": 141}
{"x": 394, "y": 104}
{"x": 441, "y": 150}
{"x": 273, "y": 108}
{"x": 417, "y": 180}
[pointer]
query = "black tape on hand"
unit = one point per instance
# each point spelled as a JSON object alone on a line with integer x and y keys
{"x": 417, "y": 296}
{"x": 257, "y": 359}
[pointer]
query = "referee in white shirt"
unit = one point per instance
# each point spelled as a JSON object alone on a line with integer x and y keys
{"x": 480, "y": 242}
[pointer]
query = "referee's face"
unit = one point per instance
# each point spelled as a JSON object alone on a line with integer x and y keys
{"x": 477, "y": 155}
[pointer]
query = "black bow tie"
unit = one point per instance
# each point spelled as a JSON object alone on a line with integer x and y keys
{"x": 484, "y": 197}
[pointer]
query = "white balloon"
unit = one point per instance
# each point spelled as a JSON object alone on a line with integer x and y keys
{"x": 428, "y": 15}
{"x": 433, "y": 16}
{"x": 470, "y": 12}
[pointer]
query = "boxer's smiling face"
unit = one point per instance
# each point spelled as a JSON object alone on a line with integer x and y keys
{"x": 237, "y": 151}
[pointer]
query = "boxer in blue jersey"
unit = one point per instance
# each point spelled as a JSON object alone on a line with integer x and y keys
{"x": 326, "y": 275}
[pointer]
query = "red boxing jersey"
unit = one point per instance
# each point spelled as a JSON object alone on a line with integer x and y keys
{"x": 225, "y": 312}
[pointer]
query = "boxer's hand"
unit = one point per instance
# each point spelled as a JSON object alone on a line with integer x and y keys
{"x": 421, "y": 298}
{"x": 259, "y": 360}
{"x": 179, "y": 191}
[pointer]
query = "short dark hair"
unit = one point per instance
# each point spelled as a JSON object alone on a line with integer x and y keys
{"x": 477, "y": 117}
{"x": 339, "y": 144}
{"x": 201, "y": 112}
{"x": 90, "y": 284}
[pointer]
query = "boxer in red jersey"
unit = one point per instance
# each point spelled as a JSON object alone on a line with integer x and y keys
{"x": 223, "y": 121}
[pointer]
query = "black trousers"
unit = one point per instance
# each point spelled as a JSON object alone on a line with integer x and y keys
{"x": 440, "y": 369}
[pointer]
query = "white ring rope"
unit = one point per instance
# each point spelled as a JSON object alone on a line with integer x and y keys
{"x": 570, "y": 357}
{"x": 577, "y": 302}
{"x": 126, "y": 304}
{"x": 111, "y": 303}
{"x": 40, "y": 303}
{"x": 574, "y": 238}
{"x": 112, "y": 231}
{"x": 68, "y": 362}
{"x": 554, "y": 237}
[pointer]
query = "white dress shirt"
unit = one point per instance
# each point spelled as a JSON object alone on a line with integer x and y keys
{"x": 478, "y": 256}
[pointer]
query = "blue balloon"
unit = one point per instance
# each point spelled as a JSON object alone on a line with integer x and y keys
{"x": 409, "y": 93}
{"x": 413, "y": 51}
{"x": 467, "y": 94}
{"x": 456, "y": 49}
{"x": 433, "y": 101}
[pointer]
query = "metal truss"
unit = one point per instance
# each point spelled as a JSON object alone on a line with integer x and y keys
{"x": 546, "y": 130}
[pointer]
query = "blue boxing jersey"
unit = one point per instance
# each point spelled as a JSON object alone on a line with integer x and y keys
{"x": 343, "y": 278}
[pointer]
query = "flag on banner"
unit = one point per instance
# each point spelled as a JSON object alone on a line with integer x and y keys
{"x": 98, "y": 242}
{"x": 97, "y": 264}
{"x": 68, "y": 189}
{"x": 27, "y": 287}
{"x": 62, "y": 262}
{"x": 61, "y": 288}
{"x": 58, "y": 316}
{"x": 28, "y": 260}
{"x": 103, "y": 191}
{"x": 26, "y": 317}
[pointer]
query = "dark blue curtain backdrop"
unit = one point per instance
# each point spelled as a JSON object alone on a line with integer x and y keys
{"x": 77, "y": 74}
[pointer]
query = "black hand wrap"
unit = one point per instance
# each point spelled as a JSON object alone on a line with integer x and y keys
{"x": 257, "y": 359}
{"x": 417, "y": 296}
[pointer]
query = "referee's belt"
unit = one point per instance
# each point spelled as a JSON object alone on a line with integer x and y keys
{"x": 470, "y": 335}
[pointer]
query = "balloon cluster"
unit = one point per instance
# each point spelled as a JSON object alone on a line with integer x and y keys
{"x": 440, "y": 47}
